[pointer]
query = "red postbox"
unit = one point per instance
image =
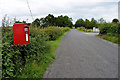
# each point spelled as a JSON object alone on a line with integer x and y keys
{"x": 21, "y": 34}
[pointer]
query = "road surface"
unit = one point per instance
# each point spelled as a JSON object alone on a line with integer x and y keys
{"x": 82, "y": 55}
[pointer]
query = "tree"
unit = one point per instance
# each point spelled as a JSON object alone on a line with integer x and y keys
{"x": 68, "y": 21}
{"x": 42, "y": 22}
{"x": 64, "y": 21}
{"x": 60, "y": 21}
{"x": 101, "y": 20}
{"x": 20, "y": 21}
{"x": 50, "y": 20}
{"x": 93, "y": 23}
{"x": 79, "y": 23}
{"x": 87, "y": 24}
{"x": 36, "y": 23}
{"x": 115, "y": 20}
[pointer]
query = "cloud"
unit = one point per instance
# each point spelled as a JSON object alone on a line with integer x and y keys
{"x": 76, "y": 9}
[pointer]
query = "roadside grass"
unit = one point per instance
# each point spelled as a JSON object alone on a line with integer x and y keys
{"x": 80, "y": 30}
{"x": 85, "y": 30}
{"x": 55, "y": 44}
{"x": 37, "y": 69}
{"x": 113, "y": 39}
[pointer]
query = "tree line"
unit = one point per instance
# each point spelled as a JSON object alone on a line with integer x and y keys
{"x": 60, "y": 21}
{"x": 93, "y": 23}
{"x": 86, "y": 23}
{"x": 65, "y": 21}
{"x": 50, "y": 20}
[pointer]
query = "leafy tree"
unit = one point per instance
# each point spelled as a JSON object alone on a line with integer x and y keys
{"x": 93, "y": 23}
{"x": 64, "y": 21}
{"x": 42, "y": 20}
{"x": 60, "y": 21}
{"x": 79, "y": 23}
{"x": 115, "y": 20}
{"x": 36, "y": 22}
{"x": 50, "y": 20}
{"x": 87, "y": 24}
{"x": 68, "y": 21}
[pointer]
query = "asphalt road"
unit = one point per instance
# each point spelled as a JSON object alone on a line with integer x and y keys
{"x": 82, "y": 55}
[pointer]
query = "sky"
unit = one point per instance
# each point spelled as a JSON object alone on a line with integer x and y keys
{"x": 76, "y": 9}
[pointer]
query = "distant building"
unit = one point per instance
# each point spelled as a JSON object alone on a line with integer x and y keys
{"x": 96, "y": 30}
{"x": 119, "y": 10}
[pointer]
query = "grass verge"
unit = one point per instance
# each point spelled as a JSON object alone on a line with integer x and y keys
{"x": 113, "y": 39}
{"x": 35, "y": 69}
{"x": 87, "y": 30}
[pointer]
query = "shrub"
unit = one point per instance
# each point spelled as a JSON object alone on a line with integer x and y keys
{"x": 111, "y": 31}
{"x": 109, "y": 28}
{"x": 104, "y": 28}
{"x": 82, "y": 28}
{"x": 89, "y": 30}
{"x": 55, "y": 32}
{"x": 114, "y": 28}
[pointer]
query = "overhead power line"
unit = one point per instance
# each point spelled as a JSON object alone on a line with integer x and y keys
{"x": 29, "y": 9}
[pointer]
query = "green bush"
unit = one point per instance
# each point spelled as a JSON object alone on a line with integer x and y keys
{"x": 89, "y": 30}
{"x": 14, "y": 57}
{"x": 109, "y": 28}
{"x": 111, "y": 31}
{"x": 104, "y": 28}
{"x": 82, "y": 28}
{"x": 55, "y": 32}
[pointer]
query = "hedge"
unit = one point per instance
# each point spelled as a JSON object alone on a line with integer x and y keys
{"x": 55, "y": 32}
{"x": 14, "y": 57}
{"x": 109, "y": 28}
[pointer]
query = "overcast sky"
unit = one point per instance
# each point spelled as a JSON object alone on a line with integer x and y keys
{"x": 107, "y": 9}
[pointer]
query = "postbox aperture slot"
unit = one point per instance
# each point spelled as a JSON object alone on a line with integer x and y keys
{"x": 26, "y": 28}
{"x": 26, "y": 32}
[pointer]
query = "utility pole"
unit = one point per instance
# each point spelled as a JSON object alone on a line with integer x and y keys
{"x": 29, "y": 9}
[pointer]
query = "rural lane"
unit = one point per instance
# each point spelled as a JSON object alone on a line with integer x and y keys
{"x": 82, "y": 55}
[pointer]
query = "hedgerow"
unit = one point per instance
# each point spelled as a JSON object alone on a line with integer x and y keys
{"x": 109, "y": 28}
{"x": 55, "y": 32}
{"x": 84, "y": 29}
{"x": 14, "y": 57}
{"x": 81, "y": 28}
{"x": 110, "y": 31}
